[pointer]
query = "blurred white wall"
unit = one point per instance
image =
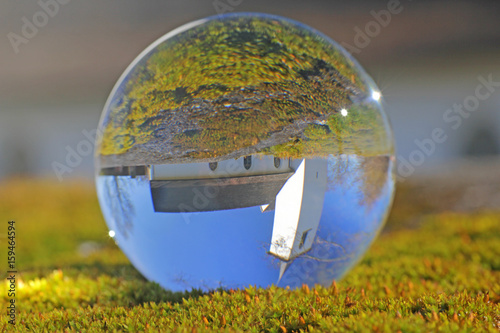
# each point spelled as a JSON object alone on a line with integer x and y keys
{"x": 425, "y": 60}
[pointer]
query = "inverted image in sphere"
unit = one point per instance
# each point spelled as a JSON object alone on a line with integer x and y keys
{"x": 244, "y": 149}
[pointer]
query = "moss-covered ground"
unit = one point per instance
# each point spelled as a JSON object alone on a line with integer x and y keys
{"x": 430, "y": 270}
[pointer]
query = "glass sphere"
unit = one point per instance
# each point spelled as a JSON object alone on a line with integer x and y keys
{"x": 244, "y": 149}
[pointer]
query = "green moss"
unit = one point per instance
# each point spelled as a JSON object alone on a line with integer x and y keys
{"x": 442, "y": 276}
{"x": 240, "y": 80}
{"x": 361, "y": 133}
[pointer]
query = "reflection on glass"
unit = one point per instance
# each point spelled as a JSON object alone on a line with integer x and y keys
{"x": 244, "y": 150}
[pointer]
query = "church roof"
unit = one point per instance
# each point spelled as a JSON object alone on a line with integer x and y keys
{"x": 211, "y": 194}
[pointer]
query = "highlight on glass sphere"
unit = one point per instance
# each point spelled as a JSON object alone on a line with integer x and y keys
{"x": 244, "y": 149}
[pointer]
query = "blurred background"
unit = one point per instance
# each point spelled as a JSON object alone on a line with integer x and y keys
{"x": 60, "y": 59}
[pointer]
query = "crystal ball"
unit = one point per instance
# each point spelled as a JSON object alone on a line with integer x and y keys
{"x": 244, "y": 149}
